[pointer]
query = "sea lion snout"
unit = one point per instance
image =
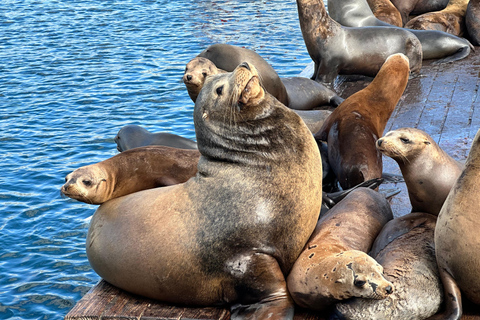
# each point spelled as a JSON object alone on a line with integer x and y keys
{"x": 379, "y": 142}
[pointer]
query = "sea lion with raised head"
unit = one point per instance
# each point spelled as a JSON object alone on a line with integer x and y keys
{"x": 428, "y": 171}
{"x": 435, "y": 44}
{"x": 131, "y": 171}
{"x": 133, "y": 136}
{"x": 342, "y": 50}
{"x": 456, "y": 236}
{"x": 334, "y": 264}
{"x": 406, "y": 250}
{"x": 354, "y": 127}
{"x": 230, "y": 235}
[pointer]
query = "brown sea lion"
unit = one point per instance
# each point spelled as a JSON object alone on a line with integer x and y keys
{"x": 456, "y": 236}
{"x": 451, "y": 19}
{"x": 429, "y": 172}
{"x": 406, "y": 250}
{"x": 133, "y": 136}
{"x": 416, "y": 7}
{"x": 131, "y": 171}
{"x": 231, "y": 234}
{"x": 435, "y": 44}
{"x": 334, "y": 265}
{"x": 196, "y": 72}
{"x": 340, "y": 50}
{"x": 385, "y": 10}
{"x": 227, "y": 57}
{"x": 472, "y": 21}
{"x": 354, "y": 127}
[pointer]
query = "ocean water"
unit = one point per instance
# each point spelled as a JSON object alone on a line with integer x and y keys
{"x": 72, "y": 73}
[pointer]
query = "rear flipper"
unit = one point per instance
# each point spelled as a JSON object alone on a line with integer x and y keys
{"x": 462, "y": 53}
{"x": 452, "y": 298}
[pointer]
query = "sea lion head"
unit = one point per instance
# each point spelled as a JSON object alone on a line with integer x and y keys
{"x": 404, "y": 144}
{"x": 87, "y": 184}
{"x": 196, "y": 72}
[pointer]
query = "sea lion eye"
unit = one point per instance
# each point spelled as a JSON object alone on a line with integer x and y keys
{"x": 88, "y": 183}
{"x": 359, "y": 283}
{"x": 405, "y": 140}
{"x": 220, "y": 90}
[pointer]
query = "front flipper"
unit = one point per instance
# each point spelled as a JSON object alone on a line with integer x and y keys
{"x": 261, "y": 288}
{"x": 452, "y": 298}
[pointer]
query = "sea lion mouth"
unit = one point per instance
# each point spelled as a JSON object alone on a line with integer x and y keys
{"x": 246, "y": 93}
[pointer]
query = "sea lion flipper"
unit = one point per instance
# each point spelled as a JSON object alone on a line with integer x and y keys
{"x": 452, "y": 298}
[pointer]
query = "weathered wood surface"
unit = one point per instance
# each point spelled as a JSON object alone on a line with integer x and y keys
{"x": 443, "y": 101}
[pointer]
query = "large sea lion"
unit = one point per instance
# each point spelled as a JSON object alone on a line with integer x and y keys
{"x": 406, "y": 250}
{"x": 451, "y": 19}
{"x": 429, "y": 172}
{"x": 231, "y": 234}
{"x": 472, "y": 21}
{"x": 131, "y": 171}
{"x": 456, "y": 235}
{"x": 302, "y": 93}
{"x": 385, "y": 11}
{"x": 435, "y": 44}
{"x": 133, "y": 136}
{"x": 341, "y": 50}
{"x": 228, "y": 57}
{"x": 354, "y": 127}
{"x": 416, "y": 7}
{"x": 334, "y": 264}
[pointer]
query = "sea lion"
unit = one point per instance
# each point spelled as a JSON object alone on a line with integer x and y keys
{"x": 341, "y": 50}
{"x": 472, "y": 21}
{"x": 384, "y": 10}
{"x": 334, "y": 265}
{"x": 302, "y": 93}
{"x": 456, "y": 235}
{"x": 133, "y": 136}
{"x": 406, "y": 250}
{"x": 231, "y": 234}
{"x": 228, "y": 57}
{"x": 416, "y": 7}
{"x": 354, "y": 126}
{"x": 429, "y": 172}
{"x": 451, "y": 19}
{"x": 131, "y": 171}
{"x": 435, "y": 44}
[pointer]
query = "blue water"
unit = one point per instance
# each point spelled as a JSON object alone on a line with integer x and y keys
{"x": 72, "y": 73}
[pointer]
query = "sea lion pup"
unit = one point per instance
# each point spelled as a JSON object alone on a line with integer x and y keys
{"x": 302, "y": 93}
{"x": 231, "y": 234}
{"x": 472, "y": 21}
{"x": 341, "y": 50}
{"x": 456, "y": 235}
{"x": 451, "y": 19}
{"x": 334, "y": 265}
{"x": 384, "y": 10}
{"x": 416, "y": 7}
{"x": 406, "y": 250}
{"x": 133, "y": 136}
{"x": 228, "y": 57}
{"x": 131, "y": 171}
{"x": 354, "y": 127}
{"x": 429, "y": 172}
{"x": 435, "y": 44}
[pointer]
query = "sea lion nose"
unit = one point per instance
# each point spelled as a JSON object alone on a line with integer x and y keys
{"x": 389, "y": 289}
{"x": 189, "y": 77}
{"x": 245, "y": 65}
{"x": 379, "y": 142}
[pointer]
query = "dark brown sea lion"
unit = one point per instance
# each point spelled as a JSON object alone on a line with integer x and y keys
{"x": 231, "y": 234}
{"x": 429, "y": 172}
{"x": 131, "y": 171}
{"x": 472, "y": 21}
{"x": 334, "y": 265}
{"x": 435, "y": 44}
{"x": 456, "y": 235}
{"x": 354, "y": 127}
{"x": 228, "y": 57}
{"x": 341, "y": 50}
{"x": 451, "y": 19}
{"x": 133, "y": 136}
{"x": 406, "y": 250}
{"x": 384, "y": 10}
{"x": 416, "y": 7}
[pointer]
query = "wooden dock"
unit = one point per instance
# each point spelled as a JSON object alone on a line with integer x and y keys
{"x": 443, "y": 101}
